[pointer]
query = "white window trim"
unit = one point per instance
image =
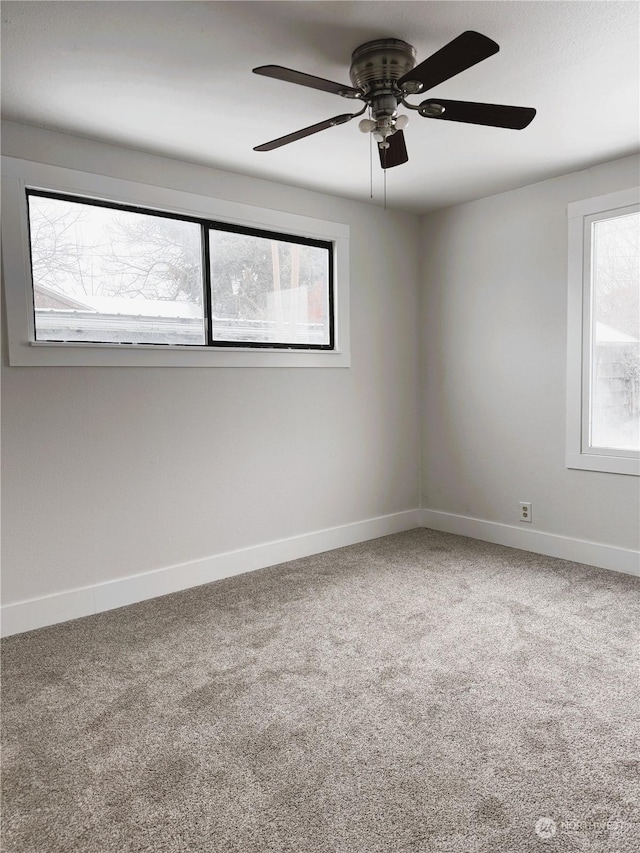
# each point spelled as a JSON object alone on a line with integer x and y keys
{"x": 580, "y": 215}
{"x": 18, "y": 175}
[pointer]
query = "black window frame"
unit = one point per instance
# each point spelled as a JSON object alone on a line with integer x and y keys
{"x": 206, "y": 225}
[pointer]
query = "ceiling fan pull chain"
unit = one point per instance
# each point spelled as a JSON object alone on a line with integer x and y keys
{"x": 385, "y": 186}
{"x": 370, "y": 161}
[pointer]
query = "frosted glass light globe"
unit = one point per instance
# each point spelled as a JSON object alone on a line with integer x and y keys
{"x": 367, "y": 125}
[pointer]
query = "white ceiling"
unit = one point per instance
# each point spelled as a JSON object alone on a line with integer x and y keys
{"x": 174, "y": 78}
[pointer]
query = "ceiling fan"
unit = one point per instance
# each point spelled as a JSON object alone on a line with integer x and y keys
{"x": 384, "y": 73}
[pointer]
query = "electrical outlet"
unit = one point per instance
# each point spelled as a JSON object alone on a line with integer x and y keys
{"x": 525, "y": 511}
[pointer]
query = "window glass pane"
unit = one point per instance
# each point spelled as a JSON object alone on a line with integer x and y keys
{"x": 114, "y": 276}
{"x": 615, "y": 333}
{"x": 269, "y": 291}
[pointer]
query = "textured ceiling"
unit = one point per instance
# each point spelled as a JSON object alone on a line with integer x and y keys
{"x": 174, "y": 78}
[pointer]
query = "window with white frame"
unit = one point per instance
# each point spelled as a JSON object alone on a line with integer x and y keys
{"x": 603, "y": 358}
{"x": 109, "y": 272}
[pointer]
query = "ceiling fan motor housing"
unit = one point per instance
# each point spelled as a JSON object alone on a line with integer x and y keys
{"x": 378, "y": 64}
{"x": 375, "y": 67}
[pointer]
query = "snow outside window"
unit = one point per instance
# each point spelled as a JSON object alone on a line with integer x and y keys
{"x": 103, "y": 273}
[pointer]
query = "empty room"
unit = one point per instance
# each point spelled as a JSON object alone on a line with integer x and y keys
{"x": 320, "y": 427}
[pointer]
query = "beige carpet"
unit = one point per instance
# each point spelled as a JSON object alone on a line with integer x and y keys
{"x": 418, "y": 693}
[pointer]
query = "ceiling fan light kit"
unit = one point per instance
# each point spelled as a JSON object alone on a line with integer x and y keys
{"x": 384, "y": 73}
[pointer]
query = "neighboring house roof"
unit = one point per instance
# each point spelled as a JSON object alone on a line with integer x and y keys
{"x": 48, "y": 298}
{"x": 142, "y": 307}
{"x": 609, "y": 335}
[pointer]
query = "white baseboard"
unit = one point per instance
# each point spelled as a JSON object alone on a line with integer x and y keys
{"x": 578, "y": 550}
{"x": 72, "y": 604}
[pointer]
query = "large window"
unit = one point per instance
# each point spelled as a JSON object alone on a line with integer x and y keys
{"x": 106, "y": 273}
{"x": 604, "y": 334}
{"x": 109, "y": 272}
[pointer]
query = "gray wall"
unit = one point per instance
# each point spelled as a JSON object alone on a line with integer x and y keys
{"x": 112, "y": 471}
{"x": 494, "y": 325}
{"x": 108, "y": 472}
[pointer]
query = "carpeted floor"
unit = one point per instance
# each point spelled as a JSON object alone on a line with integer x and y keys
{"x": 421, "y": 692}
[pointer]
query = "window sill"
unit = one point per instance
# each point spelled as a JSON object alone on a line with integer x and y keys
{"x": 605, "y": 464}
{"x": 54, "y": 354}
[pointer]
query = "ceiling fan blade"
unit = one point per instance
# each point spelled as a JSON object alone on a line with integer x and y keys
{"x": 463, "y": 52}
{"x": 306, "y": 131}
{"x": 291, "y": 76}
{"x": 494, "y": 115}
{"x": 396, "y": 153}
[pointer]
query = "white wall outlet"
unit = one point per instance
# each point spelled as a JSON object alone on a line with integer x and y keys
{"x": 525, "y": 511}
